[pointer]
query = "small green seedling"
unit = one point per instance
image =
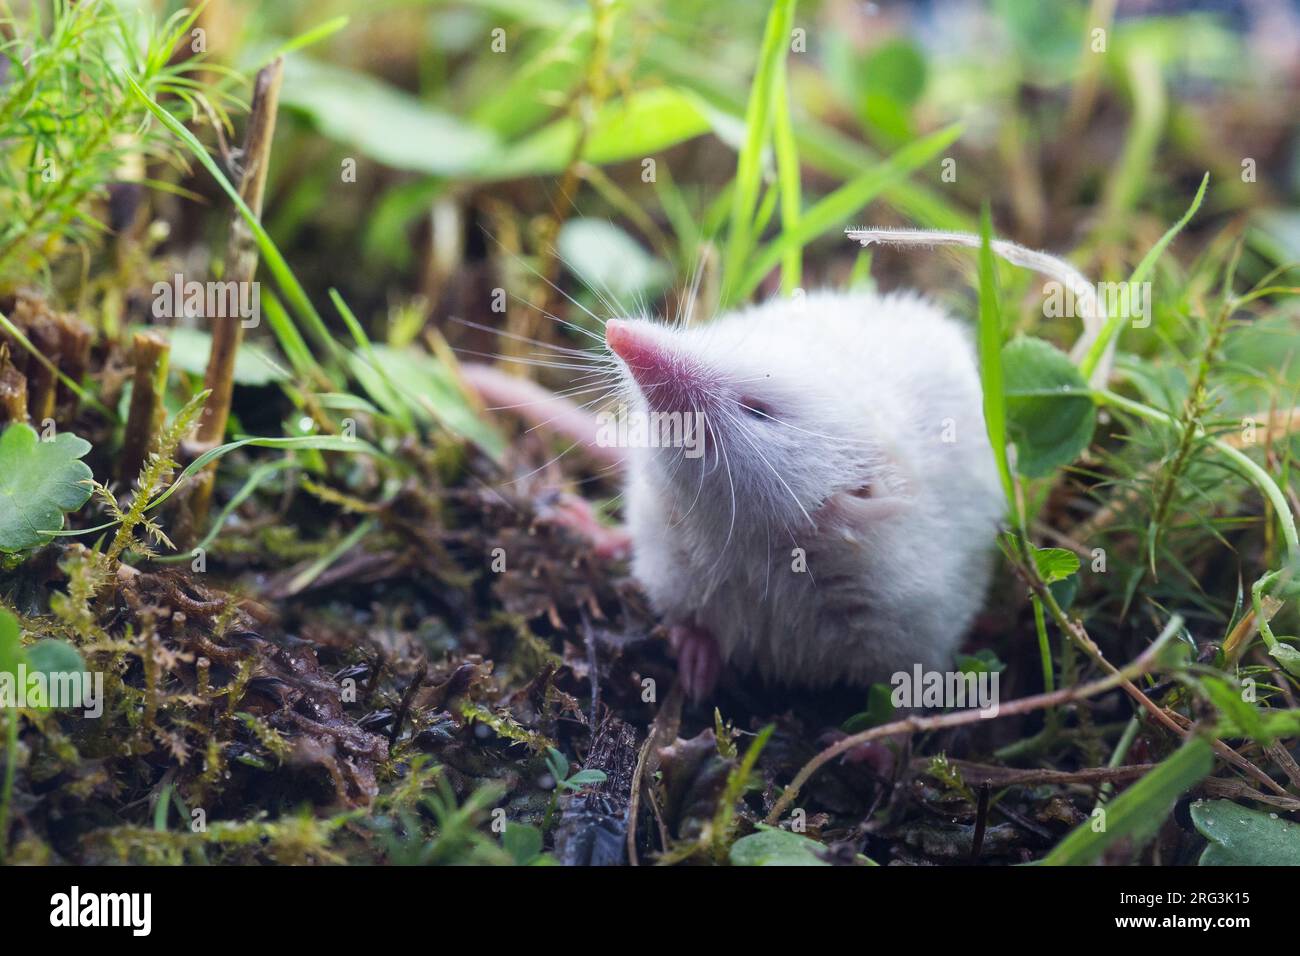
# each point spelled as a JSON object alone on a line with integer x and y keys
{"x": 558, "y": 764}
{"x": 47, "y": 656}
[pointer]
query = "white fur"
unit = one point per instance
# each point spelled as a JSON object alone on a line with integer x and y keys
{"x": 861, "y": 390}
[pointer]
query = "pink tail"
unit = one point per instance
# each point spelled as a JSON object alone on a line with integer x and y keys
{"x": 538, "y": 407}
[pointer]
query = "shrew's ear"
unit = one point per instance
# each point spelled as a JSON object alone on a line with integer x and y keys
{"x": 860, "y": 507}
{"x": 886, "y": 493}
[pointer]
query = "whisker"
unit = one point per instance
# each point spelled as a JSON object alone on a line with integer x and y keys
{"x": 566, "y": 393}
{"x": 536, "y": 363}
{"x": 772, "y": 418}
{"x": 555, "y": 287}
{"x": 583, "y": 406}
{"x": 520, "y": 261}
{"x": 519, "y": 338}
{"x": 555, "y": 318}
{"x": 722, "y": 450}
{"x": 543, "y": 466}
{"x": 741, "y": 431}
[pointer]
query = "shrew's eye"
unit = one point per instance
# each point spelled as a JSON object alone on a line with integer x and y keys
{"x": 756, "y": 408}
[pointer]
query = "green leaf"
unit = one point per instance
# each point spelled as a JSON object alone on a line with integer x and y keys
{"x": 271, "y": 257}
{"x": 558, "y": 764}
{"x": 50, "y": 656}
{"x": 886, "y": 116}
{"x": 299, "y": 443}
{"x": 1244, "y": 716}
{"x": 990, "y": 356}
{"x": 584, "y": 777}
{"x": 983, "y": 661}
{"x": 387, "y": 125}
{"x": 895, "y": 68}
{"x": 771, "y": 846}
{"x": 641, "y": 124}
{"x": 880, "y": 710}
{"x": 758, "y": 124}
{"x": 1108, "y": 331}
{"x": 1279, "y": 723}
{"x": 39, "y": 482}
{"x": 548, "y": 75}
{"x": 1243, "y": 837}
{"x": 821, "y": 146}
{"x": 522, "y": 842}
{"x": 190, "y": 349}
{"x": 892, "y": 78}
{"x": 1055, "y": 564}
{"x": 1140, "y": 810}
{"x": 609, "y": 261}
{"x": 1064, "y": 591}
{"x": 1287, "y": 656}
{"x": 1050, "y": 416}
{"x": 428, "y": 388}
{"x": 839, "y": 206}
{"x": 11, "y": 645}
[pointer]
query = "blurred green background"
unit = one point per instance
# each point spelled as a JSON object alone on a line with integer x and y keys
{"x": 495, "y": 127}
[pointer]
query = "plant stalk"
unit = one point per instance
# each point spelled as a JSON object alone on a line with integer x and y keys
{"x": 241, "y": 260}
{"x": 145, "y": 417}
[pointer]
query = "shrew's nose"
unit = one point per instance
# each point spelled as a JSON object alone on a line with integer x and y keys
{"x": 669, "y": 380}
{"x": 634, "y": 346}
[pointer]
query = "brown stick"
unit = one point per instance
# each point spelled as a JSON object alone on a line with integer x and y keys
{"x": 1240, "y": 790}
{"x": 1182, "y": 726}
{"x": 241, "y": 262}
{"x": 979, "y": 774}
{"x": 42, "y": 382}
{"x": 662, "y": 733}
{"x": 13, "y": 389}
{"x": 594, "y": 821}
{"x": 76, "y": 338}
{"x": 911, "y": 725}
{"x": 144, "y": 420}
{"x": 1282, "y": 757}
{"x": 1074, "y": 629}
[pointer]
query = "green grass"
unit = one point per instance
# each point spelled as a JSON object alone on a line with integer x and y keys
{"x": 368, "y": 455}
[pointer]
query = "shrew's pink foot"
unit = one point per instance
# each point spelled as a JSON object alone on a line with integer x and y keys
{"x": 876, "y": 756}
{"x": 577, "y": 514}
{"x": 699, "y": 659}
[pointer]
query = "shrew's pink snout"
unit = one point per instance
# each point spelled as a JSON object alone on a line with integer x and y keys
{"x": 633, "y": 346}
{"x": 669, "y": 380}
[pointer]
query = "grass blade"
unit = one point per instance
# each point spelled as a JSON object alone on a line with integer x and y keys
{"x": 990, "y": 356}
{"x": 1138, "y": 812}
{"x": 1099, "y": 345}
{"x": 292, "y": 343}
{"x": 787, "y": 172}
{"x": 284, "y": 277}
{"x": 839, "y": 205}
{"x": 306, "y": 442}
{"x": 758, "y": 115}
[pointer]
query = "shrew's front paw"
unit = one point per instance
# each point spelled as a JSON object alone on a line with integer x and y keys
{"x": 699, "y": 659}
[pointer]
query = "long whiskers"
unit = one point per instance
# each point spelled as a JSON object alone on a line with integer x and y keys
{"x": 772, "y": 418}
{"x": 524, "y": 338}
{"x": 521, "y": 360}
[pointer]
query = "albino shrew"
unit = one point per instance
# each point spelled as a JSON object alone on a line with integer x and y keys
{"x": 835, "y": 522}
